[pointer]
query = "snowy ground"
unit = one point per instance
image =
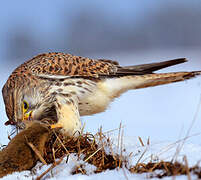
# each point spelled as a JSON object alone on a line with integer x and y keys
{"x": 155, "y": 151}
{"x": 162, "y": 113}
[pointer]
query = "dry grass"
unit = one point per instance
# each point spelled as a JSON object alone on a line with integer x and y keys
{"x": 168, "y": 169}
{"x": 87, "y": 145}
{"x": 94, "y": 152}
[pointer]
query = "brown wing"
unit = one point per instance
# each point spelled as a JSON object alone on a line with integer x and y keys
{"x": 61, "y": 64}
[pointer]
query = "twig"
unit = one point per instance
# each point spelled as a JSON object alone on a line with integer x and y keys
{"x": 141, "y": 156}
{"x": 102, "y": 144}
{"x": 50, "y": 168}
{"x": 119, "y": 135}
{"x": 82, "y": 130}
{"x": 188, "y": 132}
{"x": 148, "y": 141}
{"x": 170, "y": 146}
{"x": 111, "y": 149}
{"x": 140, "y": 139}
{"x": 92, "y": 154}
{"x": 187, "y": 169}
{"x": 109, "y": 131}
{"x": 61, "y": 143}
{"x": 37, "y": 152}
{"x": 121, "y": 147}
{"x": 68, "y": 153}
{"x": 126, "y": 177}
{"x": 53, "y": 154}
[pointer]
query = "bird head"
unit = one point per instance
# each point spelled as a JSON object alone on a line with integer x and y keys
{"x": 26, "y": 103}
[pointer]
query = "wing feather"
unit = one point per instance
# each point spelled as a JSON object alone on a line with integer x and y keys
{"x": 61, "y": 65}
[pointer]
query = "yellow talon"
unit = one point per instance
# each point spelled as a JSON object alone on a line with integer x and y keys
{"x": 57, "y": 125}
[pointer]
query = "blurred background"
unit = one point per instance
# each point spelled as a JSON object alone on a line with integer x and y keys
{"x": 131, "y": 32}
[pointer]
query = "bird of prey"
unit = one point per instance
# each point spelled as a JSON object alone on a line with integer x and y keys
{"x": 66, "y": 87}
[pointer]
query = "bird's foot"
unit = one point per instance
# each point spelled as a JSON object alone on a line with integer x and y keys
{"x": 57, "y": 125}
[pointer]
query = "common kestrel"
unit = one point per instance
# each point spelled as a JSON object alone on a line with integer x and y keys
{"x": 66, "y": 87}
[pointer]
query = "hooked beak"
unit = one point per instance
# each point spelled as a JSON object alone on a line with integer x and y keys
{"x": 27, "y": 116}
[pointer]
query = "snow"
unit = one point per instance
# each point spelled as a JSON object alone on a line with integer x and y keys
{"x": 162, "y": 113}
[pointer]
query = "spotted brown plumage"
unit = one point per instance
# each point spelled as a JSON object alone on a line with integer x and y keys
{"x": 64, "y": 86}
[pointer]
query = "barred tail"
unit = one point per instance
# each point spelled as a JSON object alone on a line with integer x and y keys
{"x": 151, "y": 80}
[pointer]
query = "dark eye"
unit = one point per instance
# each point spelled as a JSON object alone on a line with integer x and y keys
{"x": 25, "y": 105}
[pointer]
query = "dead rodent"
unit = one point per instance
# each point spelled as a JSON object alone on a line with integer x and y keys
{"x": 18, "y": 155}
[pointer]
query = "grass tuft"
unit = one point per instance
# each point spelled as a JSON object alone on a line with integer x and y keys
{"x": 92, "y": 149}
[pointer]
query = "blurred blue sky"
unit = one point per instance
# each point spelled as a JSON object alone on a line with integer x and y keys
{"x": 131, "y": 32}
{"x": 84, "y": 27}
